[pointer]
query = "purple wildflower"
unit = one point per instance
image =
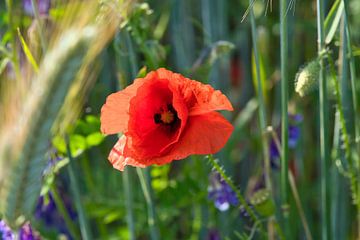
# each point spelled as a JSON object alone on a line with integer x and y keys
{"x": 5, "y": 231}
{"x": 213, "y": 234}
{"x": 26, "y": 233}
{"x": 294, "y": 135}
{"x": 43, "y": 7}
{"x": 48, "y": 213}
{"x": 221, "y": 193}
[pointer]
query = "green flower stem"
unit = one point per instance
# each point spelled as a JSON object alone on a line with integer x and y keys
{"x": 242, "y": 201}
{"x": 124, "y": 37}
{"x": 74, "y": 184}
{"x": 324, "y": 130}
{"x": 284, "y": 115}
{"x": 340, "y": 109}
{"x": 64, "y": 213}
{"x": 260, "y": 96}
{"x": 262, "y": 114}
{"x": 293, "y": 189}
{"x": 146, "y": 188}
{"x": 128, "y": 201}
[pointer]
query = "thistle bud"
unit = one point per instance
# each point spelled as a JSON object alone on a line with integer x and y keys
{"x": 306, "y": 79}
{"x": 263, "y": 203}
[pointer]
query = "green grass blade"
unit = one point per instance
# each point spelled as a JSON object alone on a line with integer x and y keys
{"x": 332, "y": 20}
{"x": 27, "y": 52}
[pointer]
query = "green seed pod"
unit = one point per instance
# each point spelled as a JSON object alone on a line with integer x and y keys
{"x": 263, "y": 203}
{"x": 306, "y": 79}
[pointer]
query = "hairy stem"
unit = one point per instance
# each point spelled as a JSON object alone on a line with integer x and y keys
{"x": 242, "y": 200}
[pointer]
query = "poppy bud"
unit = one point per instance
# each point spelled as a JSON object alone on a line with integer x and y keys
{"x": 306, "y": 79}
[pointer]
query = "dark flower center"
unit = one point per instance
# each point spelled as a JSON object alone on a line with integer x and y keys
{"x": 167, "y": 116}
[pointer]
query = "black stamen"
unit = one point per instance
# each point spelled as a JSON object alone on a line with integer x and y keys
{"x": 157, "y": 118}
{"x": 169, "y": 108}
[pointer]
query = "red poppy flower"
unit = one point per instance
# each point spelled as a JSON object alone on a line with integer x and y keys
{"x": 164, "y": 117}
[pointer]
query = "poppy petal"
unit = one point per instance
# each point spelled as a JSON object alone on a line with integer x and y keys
{"x": 200, "y": 98}
{"x": 115, "y": 112}
{"x": 203, "y": 134}
{"x": 142, "y": 128}
{"x": 208, "y": 100}
{"x": 117, "y": 158}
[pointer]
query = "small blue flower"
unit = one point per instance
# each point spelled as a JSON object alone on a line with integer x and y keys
{"x": 43, "y": 7}
{"x": 5, "y": 231}
{"x": 221, "y": 193}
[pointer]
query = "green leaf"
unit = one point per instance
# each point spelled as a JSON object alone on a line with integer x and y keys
{"x": 77, "y": 144}
{"x": 142, "y": 72}
{"x": 262, "y": 76}
{"x": 94, "y": 139}
{"x": 59, "y": 143}
{"x": 332, "y": 20}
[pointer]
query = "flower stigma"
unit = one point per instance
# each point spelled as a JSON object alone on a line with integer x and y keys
{"x": 166, "y": 116}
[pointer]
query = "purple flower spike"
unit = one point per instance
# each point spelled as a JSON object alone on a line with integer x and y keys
{"x": 5, "y": 231}
{"x": 43, "y": 7}
{"x": 221, "y": 193}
